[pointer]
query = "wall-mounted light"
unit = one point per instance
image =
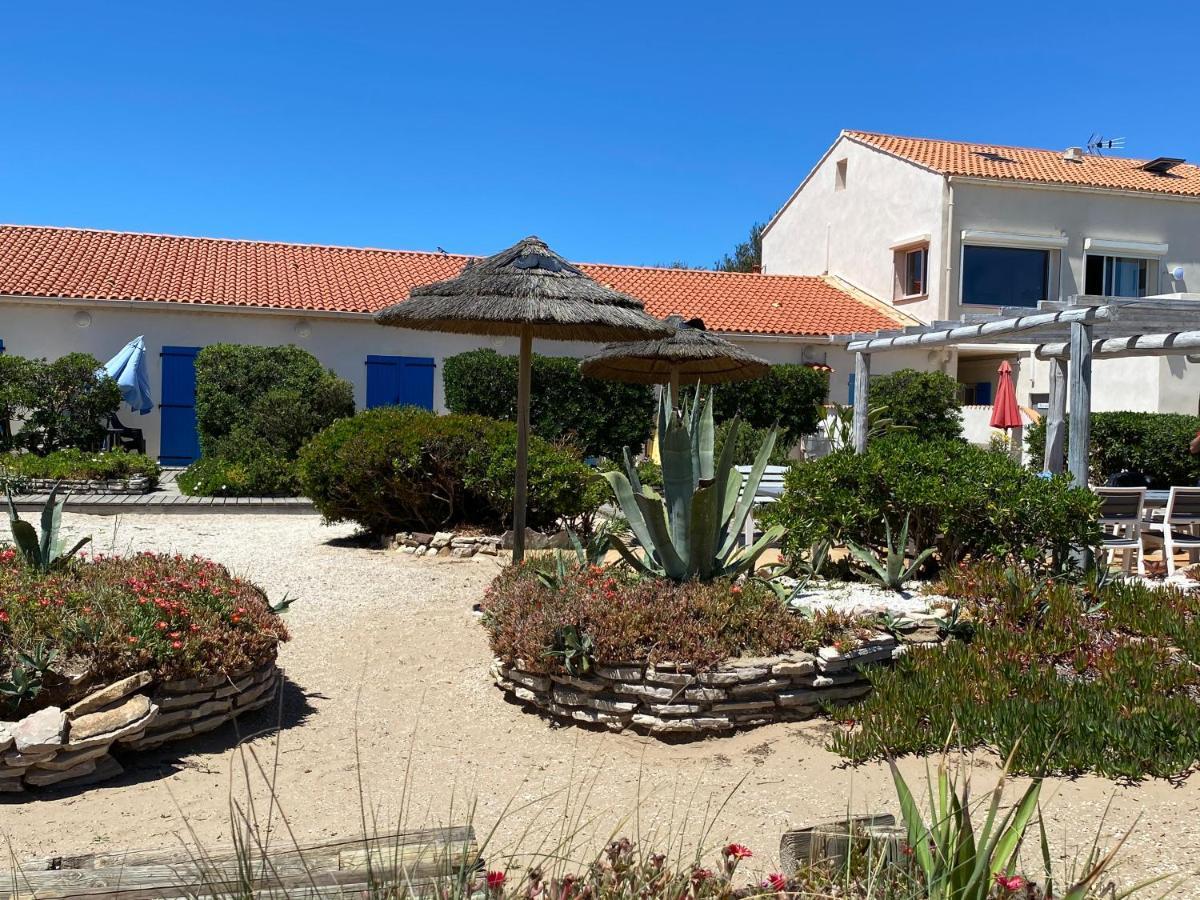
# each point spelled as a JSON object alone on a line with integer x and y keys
{"x": 83, "y": 319}
{"x": 1177, "y": 273}
{"x": 303, "y": 329}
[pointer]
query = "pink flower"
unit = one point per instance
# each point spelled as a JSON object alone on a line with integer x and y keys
{"x": 737, "y": 851}
{"x": 776, "y": 881}
{"x": 699, "y": 875}
{"x": 1010, "y": 883}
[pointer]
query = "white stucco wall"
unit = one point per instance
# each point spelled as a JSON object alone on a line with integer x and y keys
{"x": 48, "y": 329}
{"x": 1149, "y": 385}
{"x": 341, "y": 343}
{"x": 850, "y": 233}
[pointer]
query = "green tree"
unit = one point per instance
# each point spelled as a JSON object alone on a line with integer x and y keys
{"x": 747, "y": 256}
{"x": 926, "y": 402}
{"x": 68, "y": 404}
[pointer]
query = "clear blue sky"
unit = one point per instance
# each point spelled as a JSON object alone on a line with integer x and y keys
{"x": 620, "y": 132}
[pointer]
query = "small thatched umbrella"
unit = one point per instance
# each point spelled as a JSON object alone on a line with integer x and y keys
{"x": 526, "y": 291}
{"x": 690, "y": 354}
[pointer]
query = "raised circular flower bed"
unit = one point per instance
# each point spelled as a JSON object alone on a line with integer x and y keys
{"x": 75, "y": 746}
{"x": 679, "y": 700}
{"x": 107, "y": 655}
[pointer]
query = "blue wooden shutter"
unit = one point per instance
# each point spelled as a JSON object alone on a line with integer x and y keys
{"x": 179, "y": 444}
{"x": 983, "y": 393}
{"x": 850, "y": 381}
{"x": 400, "y": 381}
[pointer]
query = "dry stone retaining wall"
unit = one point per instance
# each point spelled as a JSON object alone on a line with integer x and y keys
{"x": 73, "y": 747}
{"x": 130, "y": 486}
{"x": 668, "y": 700}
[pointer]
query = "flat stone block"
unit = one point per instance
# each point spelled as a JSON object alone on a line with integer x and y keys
{"x": 795, "y": 664}
{"x": 569, "y": 697}
{"x": 42, "y": 730}
{"x": 704, "y": 694}
{"x": 583, "y": 684}
{"x": 533, "y": 682}
{"x": 44, "y": 778}
{"x": 110, "y": 720}
{"x": 676, "y": 679}
{"x": 619, "y": 673}
{"x": 646, "y": 691}
{"x": 719, "y": 679}
{"x": 746, "y": 706}
{"x": 97, "y": 700}
{"x": 762, "y": 686}
{"x": 612, "y": 704}
{"x": 674, "y": 709}
{"x": 179, "y": 701}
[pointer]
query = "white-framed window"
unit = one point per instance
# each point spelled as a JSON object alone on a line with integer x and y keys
{"x": 1120, "y": 276}
{"x": 1008, "y": 276}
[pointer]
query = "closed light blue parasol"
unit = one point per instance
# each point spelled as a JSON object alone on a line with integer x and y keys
{"x": 128, "y": 370}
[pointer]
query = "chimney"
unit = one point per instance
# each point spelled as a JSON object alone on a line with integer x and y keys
{"x": 1073, "y": 154}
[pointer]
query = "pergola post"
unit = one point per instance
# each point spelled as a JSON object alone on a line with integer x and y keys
{"x": 1056, "y": 416}
{"x": 1081, "y": 402}
{"x": 862, "y": 390}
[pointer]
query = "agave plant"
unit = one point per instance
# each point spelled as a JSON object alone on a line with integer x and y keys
{"x": 889, "y": 571}
{"x": 959, "y": 859}
{"x": 692, "y": 529}
{"x": 43, "y": 553}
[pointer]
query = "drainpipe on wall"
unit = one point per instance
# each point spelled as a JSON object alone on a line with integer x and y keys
{"x": 947, "y": 232}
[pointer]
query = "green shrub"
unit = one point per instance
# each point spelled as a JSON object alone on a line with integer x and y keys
{"x": 279, "y": 396}
{"x": 600, "y": 417}
{"x": 401, "y": 468}
{"x": 249, "y": 475}
{"x": 748, "y": 441}
{"x": 961, "y": 499}
{"x": 790, "y": 395}
{"x": 79, "y": 465}
{"x": 926, "y": 402}
{"x": 175, "y": 616}
{"x": 1155, "y": 444}
{"x": 1074, "y": 678}
{"x": 62, "y": 404}
{"x": 255, "y": 408}
{"x": 634, "y": 619}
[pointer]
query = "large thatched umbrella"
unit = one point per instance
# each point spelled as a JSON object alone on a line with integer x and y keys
{"x": 526, "y": 291}
{"x": 690, "y": 354}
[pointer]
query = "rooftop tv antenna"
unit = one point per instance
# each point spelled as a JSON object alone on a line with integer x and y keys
{"x": 1098, "y": 144}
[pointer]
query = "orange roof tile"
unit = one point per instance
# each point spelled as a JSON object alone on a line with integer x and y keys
{"x": 1039, "y": 166}
{"x": 105, "y": 265}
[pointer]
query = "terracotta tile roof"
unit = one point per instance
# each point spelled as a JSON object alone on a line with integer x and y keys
{"x": 105, "y": 265}
{"x": 1039, "y": 166}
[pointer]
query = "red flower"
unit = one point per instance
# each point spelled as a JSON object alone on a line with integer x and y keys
{"x": 495, "y": 880}
{"x": 132, "y": 639}
{"x": 177, "y": 644}
{"x": 776, "y": 881}
{"x": 1010, "y": 883}
{"x": 737, "y": 851}
{"x": 3, "y": 616}
{"x": 735, "y": 590}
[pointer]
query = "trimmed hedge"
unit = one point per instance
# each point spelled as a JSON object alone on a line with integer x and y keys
{"x": 961, "y": 499}
{"x": 790, "y": 395}
{"x": 926, "y": 402}
{"x": 62, "y": 404}
{"x": 1155, "y": 444}
{"x": 402, "y": 468}
{"x": 255, "y": 409}
{"x": 600, "y": 417}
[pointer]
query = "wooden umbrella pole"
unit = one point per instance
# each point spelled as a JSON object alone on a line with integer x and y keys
{"x": 521, "y": 494}
{"x": 675, "y": 387}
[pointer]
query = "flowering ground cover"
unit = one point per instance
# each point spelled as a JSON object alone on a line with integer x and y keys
{"x": 615, "y": 615}
{"x": 107, "y": 617}
{"x": 1071, "y": 677}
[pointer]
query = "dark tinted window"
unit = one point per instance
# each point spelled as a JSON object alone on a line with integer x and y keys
{"x": 1005, "y": 276}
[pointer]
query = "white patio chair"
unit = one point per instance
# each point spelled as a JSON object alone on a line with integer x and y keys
{"x": 770, "y": 489}
{"x": 1179, "y": 527}
{"x": 1121, "y": 523}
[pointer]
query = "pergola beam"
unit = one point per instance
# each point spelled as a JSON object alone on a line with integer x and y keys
{"x": 1176, "y": 343}
{"x": 996, "y": 328}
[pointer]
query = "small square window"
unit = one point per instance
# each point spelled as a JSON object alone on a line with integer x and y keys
{"x": 839, "y": 181}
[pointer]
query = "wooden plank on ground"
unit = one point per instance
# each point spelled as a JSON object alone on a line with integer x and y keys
{"x": 421, "y": 858}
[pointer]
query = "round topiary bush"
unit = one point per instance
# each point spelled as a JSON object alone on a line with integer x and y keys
{"x": 395, "y": 469}
{"x": 94, "y": 621}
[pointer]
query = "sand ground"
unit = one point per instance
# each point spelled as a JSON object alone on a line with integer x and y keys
{"x": 388, "y": 673}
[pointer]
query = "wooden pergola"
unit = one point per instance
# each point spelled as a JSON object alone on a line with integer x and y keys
{"x": 1070, "y": 334}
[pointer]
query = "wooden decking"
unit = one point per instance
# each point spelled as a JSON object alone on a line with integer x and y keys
{"x": 166, "y": 498}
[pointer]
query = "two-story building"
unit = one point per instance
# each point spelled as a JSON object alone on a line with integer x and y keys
{"x": 942, "y": 228}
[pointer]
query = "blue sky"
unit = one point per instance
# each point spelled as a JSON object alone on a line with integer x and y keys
{"x": 619, "y": 132}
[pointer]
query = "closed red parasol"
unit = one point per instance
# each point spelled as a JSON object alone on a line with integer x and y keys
{"x": 1005, "y": 412}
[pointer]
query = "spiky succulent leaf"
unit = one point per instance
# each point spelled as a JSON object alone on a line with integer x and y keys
{"x": 679, "y": 484}
{"x": 624, "y": 493}
{"x": 654, "y": 514}
{"x": 703, "y": 526}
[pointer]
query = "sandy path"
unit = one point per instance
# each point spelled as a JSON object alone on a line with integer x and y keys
{"x": 394, "y": 638}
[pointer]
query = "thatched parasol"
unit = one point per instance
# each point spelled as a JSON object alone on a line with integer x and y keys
{"x": 691, "y": 354}
{"x": 526, "y": 291}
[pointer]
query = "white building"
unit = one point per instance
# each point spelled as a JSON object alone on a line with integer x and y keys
{"x": 65, "y": 290}
{"x": 941, "y": 228}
